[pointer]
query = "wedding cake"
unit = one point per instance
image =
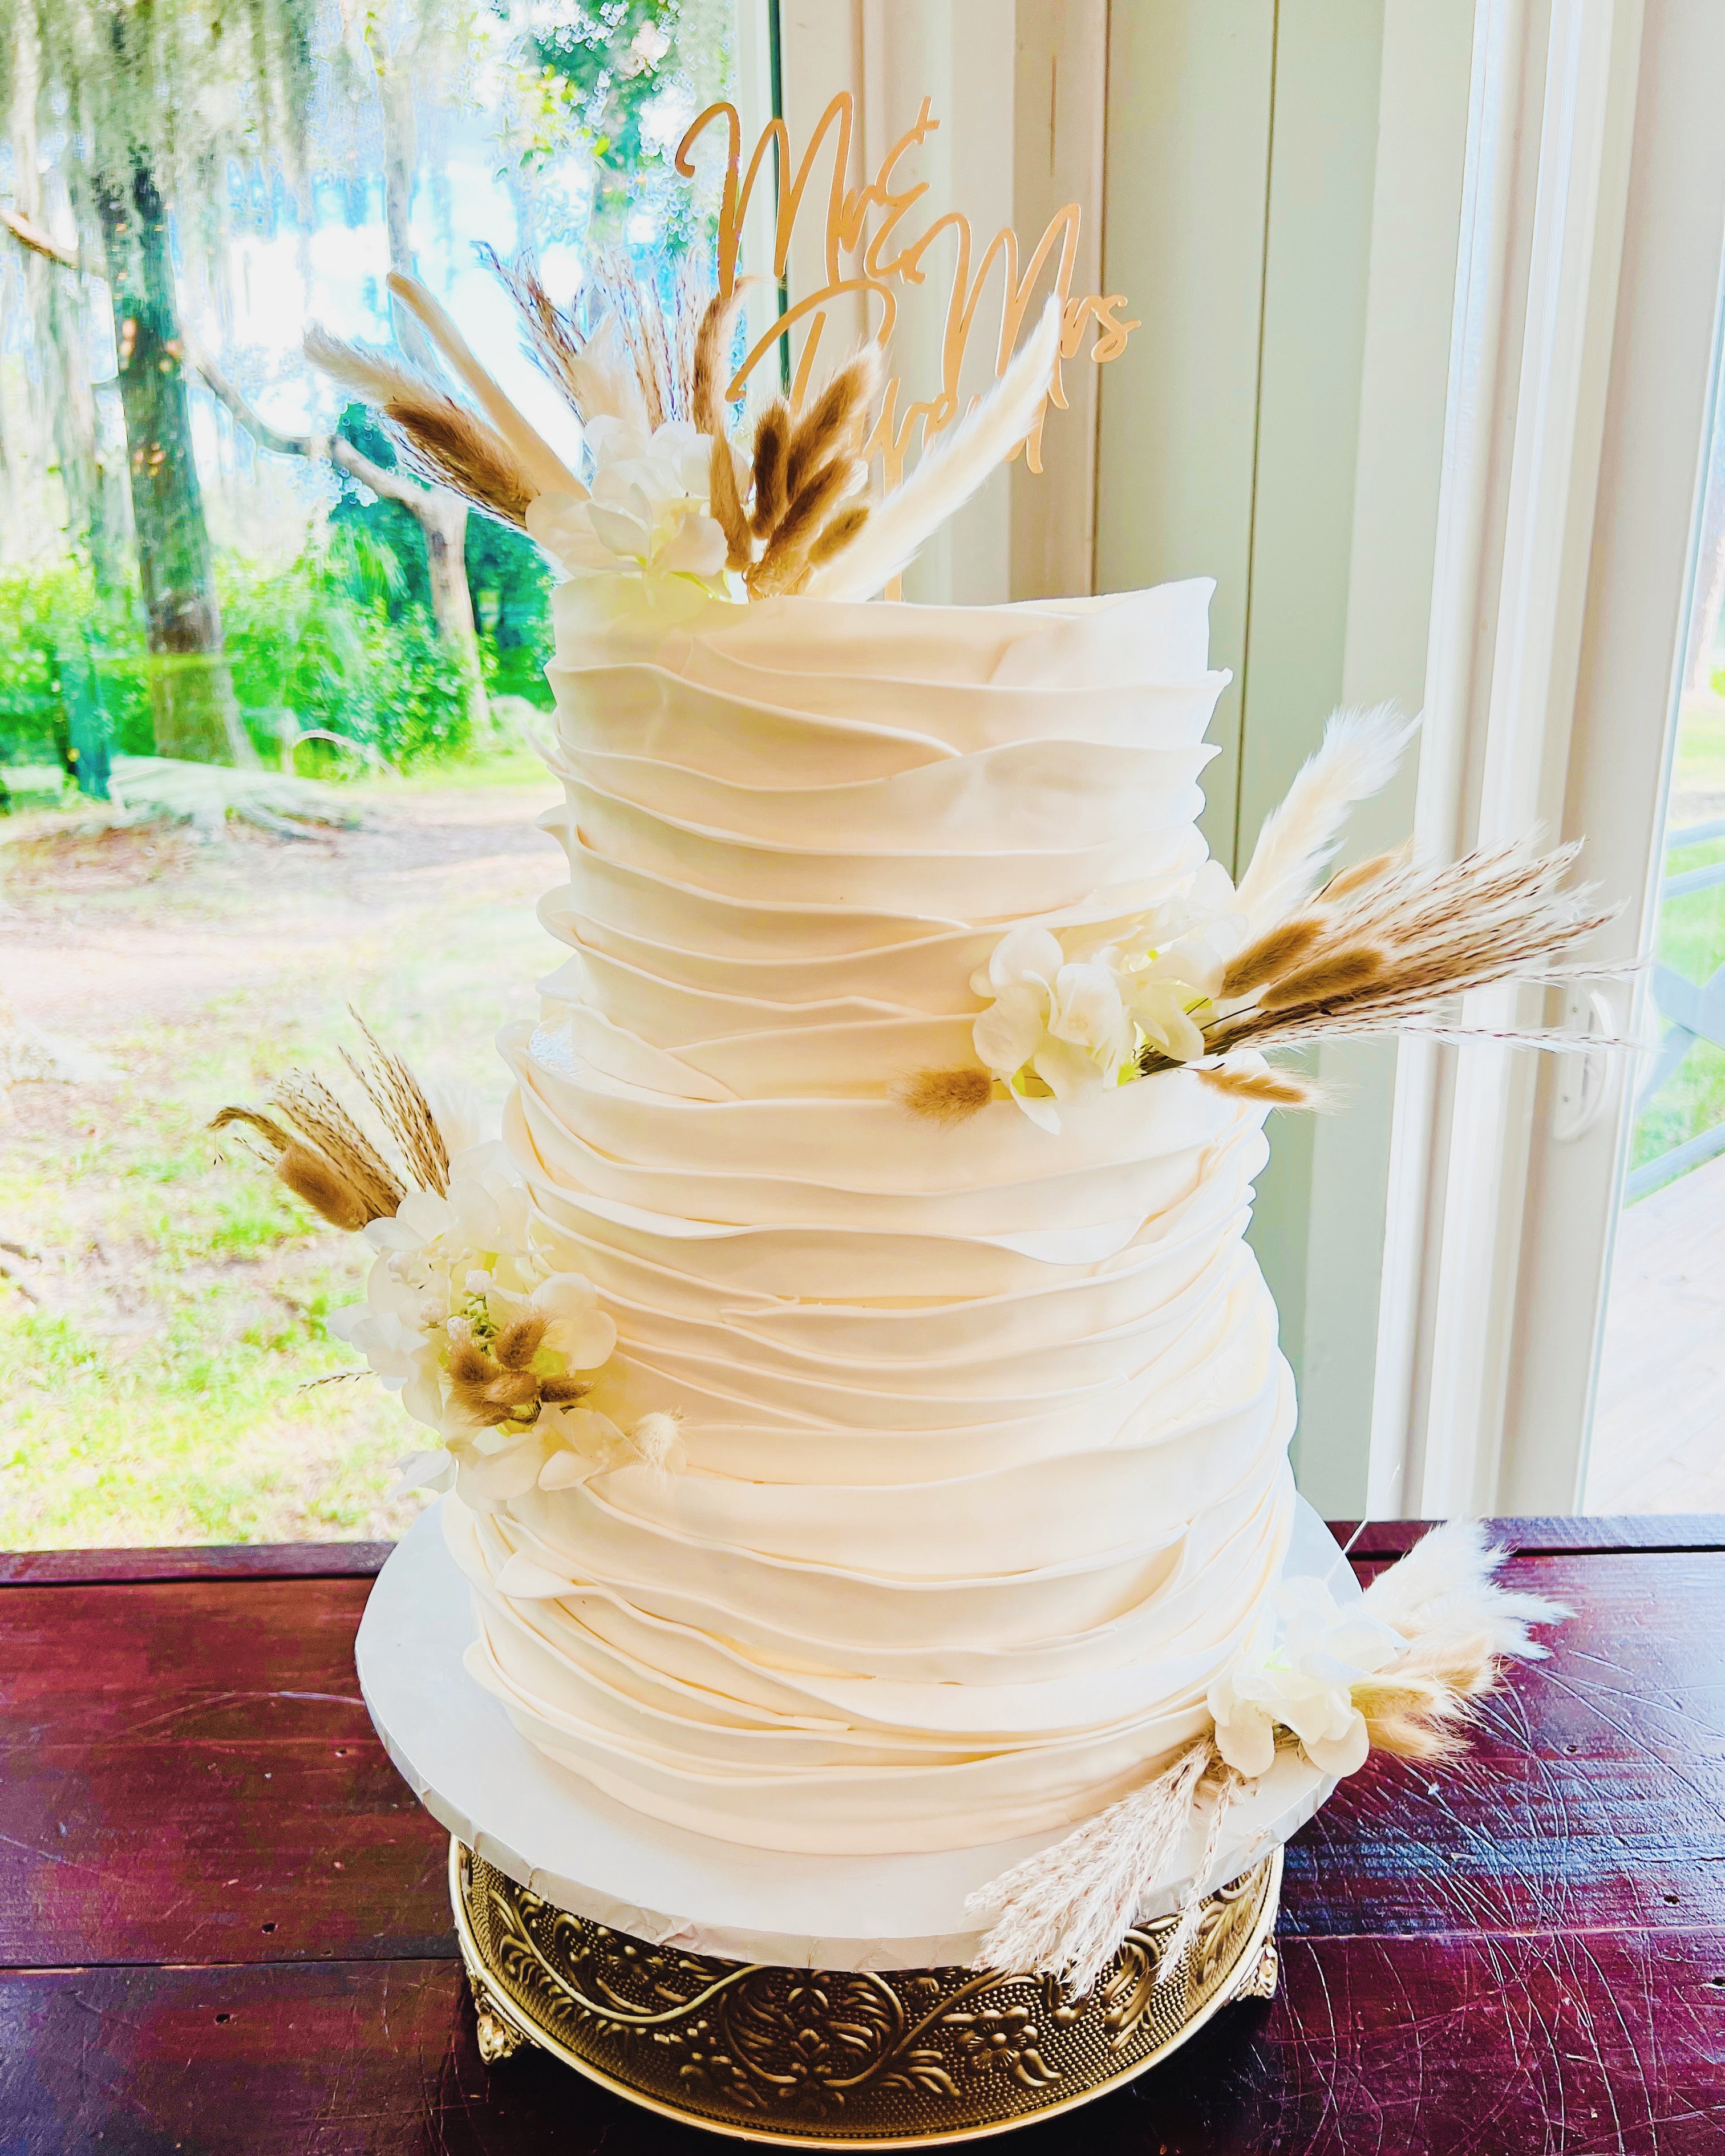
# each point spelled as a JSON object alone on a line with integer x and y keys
{"x": 984, "y": 1429}
{"x": 860, "y": 1418}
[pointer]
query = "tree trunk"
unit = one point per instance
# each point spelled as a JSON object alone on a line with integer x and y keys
{"x": 62, "y": 407}
{"x": 192, "y": 690}
{"x": 443, "y": 518}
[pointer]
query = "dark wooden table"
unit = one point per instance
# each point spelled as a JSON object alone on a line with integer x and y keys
{"x": 225, "y": 1926}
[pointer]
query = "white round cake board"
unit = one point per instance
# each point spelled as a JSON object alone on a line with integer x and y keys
{"x": 554, "y": 1834}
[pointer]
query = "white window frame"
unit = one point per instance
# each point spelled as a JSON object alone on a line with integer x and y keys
{"x": 1582, "y": 360}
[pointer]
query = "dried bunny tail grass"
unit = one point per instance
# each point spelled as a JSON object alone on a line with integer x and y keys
{"x": 948, "y": 474}
{"x": 834, "y": 424}
{"x": 837, "y": 534}
{"x": 1493, "y": 915}
{"x": 254, "y": 1119}
{"x": 711, "y": 373}
{"x": 519, "y": 1342}
{"x": 314, "y": 1111}
{"x": 1362, "y": 873}
{"x": 1271, "y": 953}
{"x": 440, "y": 440}
{"x": 310, "y": 1177}
{"x": 772, "y": 442}
{"x": 711, "y": 346}
{"x": 304, "y": 1171}
{"x": 944, "y": 1096}
{"x": 784, "y": 566}
{"x": 450, "y": 448}
{"x": 396, "y": 1094}
{"x": 1331, "y": 975}
{"x": 1280, "y": 1089}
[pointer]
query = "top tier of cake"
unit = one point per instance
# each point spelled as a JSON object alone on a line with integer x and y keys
{"x": 986, "y": 1426}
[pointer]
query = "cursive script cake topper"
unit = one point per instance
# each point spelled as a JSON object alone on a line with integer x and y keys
{"x": 866, "y": 250}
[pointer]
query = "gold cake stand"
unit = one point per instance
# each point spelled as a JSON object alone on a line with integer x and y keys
{"x": 806, "y": 2058}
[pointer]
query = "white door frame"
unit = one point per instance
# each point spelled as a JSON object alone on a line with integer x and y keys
{"x": 1587, "y": 298}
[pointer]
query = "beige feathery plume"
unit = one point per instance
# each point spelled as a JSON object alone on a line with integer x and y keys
{"x": 944, "y": 1096}
{"x": 1461, "y": 1626}
{"x": 1064, "y": 1910}
{"x": 546, "y": 470}
{"x": 1357, "y": 758}
{"x": 438, "y": 439}
{"x": 949, "y": 474}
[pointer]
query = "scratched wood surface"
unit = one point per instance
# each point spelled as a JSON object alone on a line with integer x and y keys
{"x": 222, "y": 1923}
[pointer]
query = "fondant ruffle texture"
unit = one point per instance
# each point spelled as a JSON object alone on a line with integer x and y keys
{"x": 987, "y": 1429}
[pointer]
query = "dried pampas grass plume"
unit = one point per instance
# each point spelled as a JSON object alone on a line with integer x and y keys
{"x": 1357, "y": 758}
{"x": 944, "y": 1096}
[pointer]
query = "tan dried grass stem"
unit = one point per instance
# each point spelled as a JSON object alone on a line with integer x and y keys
{"x": 395, "y": 1093}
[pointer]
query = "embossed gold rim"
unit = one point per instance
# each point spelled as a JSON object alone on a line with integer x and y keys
{"x": 970, "y": 2040}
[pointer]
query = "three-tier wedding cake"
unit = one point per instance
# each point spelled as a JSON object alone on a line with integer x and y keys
{"x": 985, "y": 1427}
{"x": 862, "y": 1429}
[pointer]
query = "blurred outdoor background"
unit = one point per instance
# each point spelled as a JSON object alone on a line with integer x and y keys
{"x": 266, "y": 699}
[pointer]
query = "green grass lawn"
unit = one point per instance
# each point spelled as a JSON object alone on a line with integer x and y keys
{"x": 166, "y": 1382}
{"x": 1689, "y": 936}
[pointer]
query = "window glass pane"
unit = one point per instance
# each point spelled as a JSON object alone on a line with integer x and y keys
{"x": 1656, "y": 1443}
{"x": 266, "y": 700}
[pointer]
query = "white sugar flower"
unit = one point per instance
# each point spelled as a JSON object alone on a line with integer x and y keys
{"x": 434, "y": 1257}
{"x": 1062, "y": 1021}
{"x": 1298, "y": 1672}
{"x": 647, "y": 510}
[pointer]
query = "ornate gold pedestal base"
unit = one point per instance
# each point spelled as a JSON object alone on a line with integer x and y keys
{"x": 811, "y": 2057}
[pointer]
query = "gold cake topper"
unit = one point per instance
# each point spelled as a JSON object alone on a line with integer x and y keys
{"x": 864, "y": 251}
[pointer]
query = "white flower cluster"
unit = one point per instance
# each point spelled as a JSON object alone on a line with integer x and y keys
{"x": 1066, "y": 1021}
{"x": 647, "y": 509}
{"x": 1298, "y": 1672}
{"x": 454, "y": 1273}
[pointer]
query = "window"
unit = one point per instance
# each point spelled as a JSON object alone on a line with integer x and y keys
{"x": 264, "y": 696}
